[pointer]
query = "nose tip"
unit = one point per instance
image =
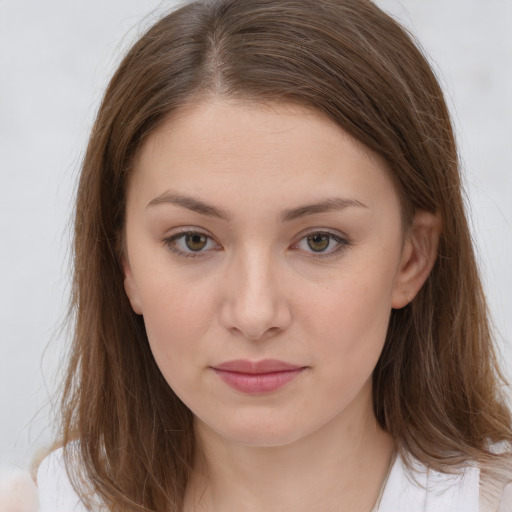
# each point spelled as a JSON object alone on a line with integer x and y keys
{"x": 255, "y": 306}
{"x": 256, "y": 317}
{"x": 256, "y": 332}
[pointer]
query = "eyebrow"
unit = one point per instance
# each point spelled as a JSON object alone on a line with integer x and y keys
{"x": 336, "y": 203}
{"x": 191, "y": 204}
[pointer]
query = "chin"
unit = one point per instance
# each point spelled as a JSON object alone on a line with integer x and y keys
{"x": 266, "y": 440}
{"x": 255, "y": 433}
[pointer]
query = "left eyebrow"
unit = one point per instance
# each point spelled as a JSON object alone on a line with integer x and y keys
{"x": 328, "y": 205}
{"x": 191, "y": 204}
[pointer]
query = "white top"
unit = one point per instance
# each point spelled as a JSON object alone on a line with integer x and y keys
{"x": 56, "y": 494}
{"x": 424, "y": 490}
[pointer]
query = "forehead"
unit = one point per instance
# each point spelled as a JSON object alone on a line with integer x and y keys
{"x": 256, "y": 151}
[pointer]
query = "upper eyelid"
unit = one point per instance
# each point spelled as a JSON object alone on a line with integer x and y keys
{"x": 189, "y": 229}
{"x": 323, "y": 231}
{"x": 327, "y": 231}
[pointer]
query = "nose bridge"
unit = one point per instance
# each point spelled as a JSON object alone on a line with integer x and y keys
{"x": 255, "y": 304}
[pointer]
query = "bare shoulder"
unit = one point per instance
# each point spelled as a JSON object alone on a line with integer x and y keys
{"x": 18, "y": 492}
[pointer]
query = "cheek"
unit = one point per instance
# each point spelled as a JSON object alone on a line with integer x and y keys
{"x": 349, "y": 321}
{"x": 350, "y": 335}
{"x": 177, "y": 316}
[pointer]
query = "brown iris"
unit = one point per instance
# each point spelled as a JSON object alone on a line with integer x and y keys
{"x": 319, "y": 242}
{"x": 195, "y": 241}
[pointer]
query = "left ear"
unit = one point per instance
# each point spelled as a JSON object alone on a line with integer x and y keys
{"x": 418, "y": 257}
{"x": 130, "y": 287}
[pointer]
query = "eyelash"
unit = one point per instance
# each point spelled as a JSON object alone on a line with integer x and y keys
{"x": 343, "y": 243}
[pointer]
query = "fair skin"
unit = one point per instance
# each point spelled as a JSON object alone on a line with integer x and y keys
{"x": 227, "y": 260}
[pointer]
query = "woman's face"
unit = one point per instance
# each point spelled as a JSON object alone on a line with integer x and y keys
{"x": 264, "y": 249}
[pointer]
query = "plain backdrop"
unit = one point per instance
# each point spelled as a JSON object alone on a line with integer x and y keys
{"x": 56, "y": 57}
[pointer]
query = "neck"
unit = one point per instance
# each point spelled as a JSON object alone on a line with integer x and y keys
{"x": 339, "y": 467}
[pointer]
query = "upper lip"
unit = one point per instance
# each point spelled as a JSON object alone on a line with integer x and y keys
{"x": 256, "y": 367}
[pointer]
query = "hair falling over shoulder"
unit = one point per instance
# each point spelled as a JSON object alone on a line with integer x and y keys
{"x": 437, "y": 385}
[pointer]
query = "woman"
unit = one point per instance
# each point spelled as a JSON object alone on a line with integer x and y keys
{"x": 277, "y": 302}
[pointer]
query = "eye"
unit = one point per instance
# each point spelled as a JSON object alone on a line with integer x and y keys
{"x": 318, "y": 242}
{"x": 191, "y": 243}
{"x": 321, "y": 243}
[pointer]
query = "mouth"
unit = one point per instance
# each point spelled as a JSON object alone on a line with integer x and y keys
{"x": 257, "y": 377}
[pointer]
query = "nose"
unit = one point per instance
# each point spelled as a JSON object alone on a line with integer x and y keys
{"x": 255, "y": 304}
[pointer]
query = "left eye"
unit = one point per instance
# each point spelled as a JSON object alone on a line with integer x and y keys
{"x": 190, "y": 243}
{"x": 321, "y": 243}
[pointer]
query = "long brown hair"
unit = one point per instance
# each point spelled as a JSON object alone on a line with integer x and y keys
{"x": 437, "y": 383}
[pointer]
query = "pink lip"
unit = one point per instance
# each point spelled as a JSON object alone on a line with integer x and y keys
{"x": 257, "y": 377}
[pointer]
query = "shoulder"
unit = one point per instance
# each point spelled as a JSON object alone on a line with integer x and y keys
{"x": 474, "y": 489}
{"x": 421, "y": 489}
{"x": 56, "y": 493}
{"x": 17, "y": 491}
{"x": 506, "y": 499}
{"x": 496, "y": 485}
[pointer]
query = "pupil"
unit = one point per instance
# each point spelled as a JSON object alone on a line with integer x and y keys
{"x": 195, "y": 241}
{"x": 318, "y": 243}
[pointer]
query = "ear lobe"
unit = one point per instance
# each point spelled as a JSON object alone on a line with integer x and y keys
{"x": 130, "y": 287}
{"x": 418, "y": 257}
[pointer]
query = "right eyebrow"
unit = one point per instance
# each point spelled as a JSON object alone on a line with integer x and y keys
{"x": 330, "y": 204}
{"x": 191, "y": 204}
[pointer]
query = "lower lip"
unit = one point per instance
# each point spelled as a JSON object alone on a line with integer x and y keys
{"x": 259, "y": 383}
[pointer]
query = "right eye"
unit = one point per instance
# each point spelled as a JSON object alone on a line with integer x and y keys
{"x": 191, "y": 243}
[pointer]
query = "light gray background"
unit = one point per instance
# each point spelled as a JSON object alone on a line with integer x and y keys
{"x": 55, "y": 59}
